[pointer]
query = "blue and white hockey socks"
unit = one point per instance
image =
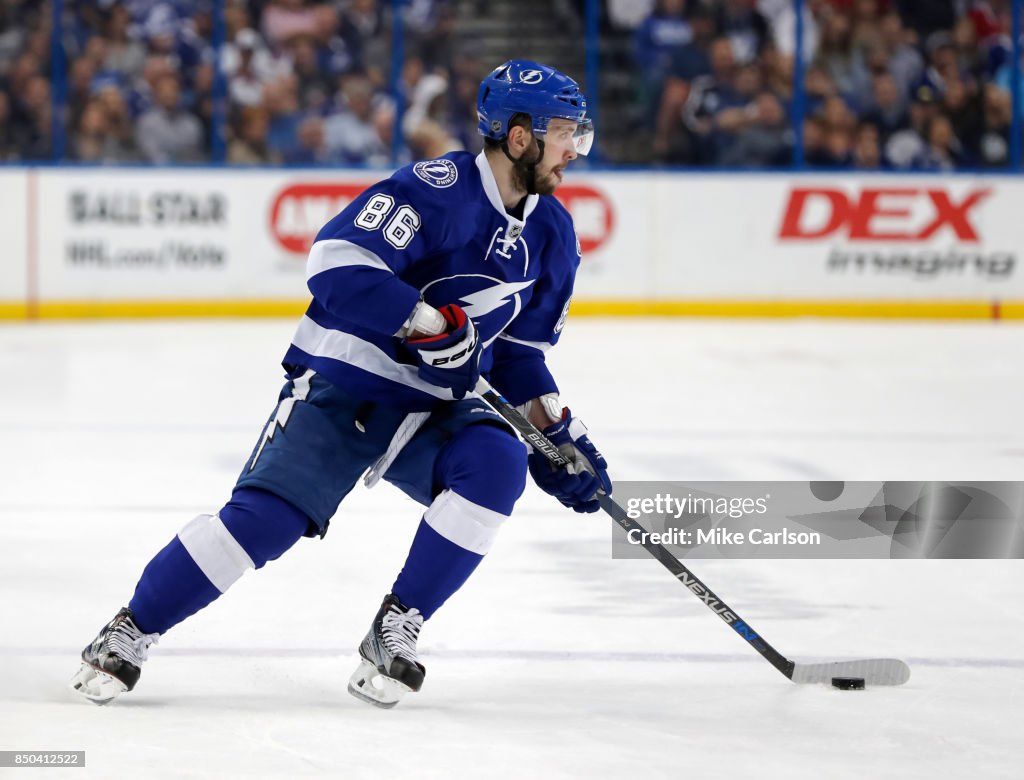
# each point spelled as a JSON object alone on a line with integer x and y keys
{"x": 484, "y": 469}
{"x": 210, "y": 553}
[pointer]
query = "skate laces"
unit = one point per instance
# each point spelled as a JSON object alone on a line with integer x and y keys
{"x": 129, "y": 643}
{"x": 400, "y": 630}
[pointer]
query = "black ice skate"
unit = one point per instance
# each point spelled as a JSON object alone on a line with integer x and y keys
{"x": 389, "y": 668}
{"x": 110, "y": 664}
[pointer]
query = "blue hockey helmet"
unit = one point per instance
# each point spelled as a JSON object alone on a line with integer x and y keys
{"x": 522, "y": 86}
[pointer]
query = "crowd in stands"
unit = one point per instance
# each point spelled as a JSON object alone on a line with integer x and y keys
{"x": 303, "y": 82}
{"x": 888, "y": 84}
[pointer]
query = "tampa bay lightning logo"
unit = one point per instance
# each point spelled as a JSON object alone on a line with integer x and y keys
{"x": 531, "y": 76}
{"x": 480, "y": 296}
{"x": 437, "y": 173}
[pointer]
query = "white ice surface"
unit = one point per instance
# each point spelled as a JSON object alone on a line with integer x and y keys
{"x": 554, "y": 660}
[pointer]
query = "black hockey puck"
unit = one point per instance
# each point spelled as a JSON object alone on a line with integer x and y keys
{"x": 848, "y": 683}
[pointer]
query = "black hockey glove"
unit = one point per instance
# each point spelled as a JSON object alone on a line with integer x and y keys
{"x": 577, "y": 484}
{"x": 450, "y": 359}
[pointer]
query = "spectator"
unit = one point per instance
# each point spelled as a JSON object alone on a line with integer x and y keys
{"x": 942, "y": 151}
{"x": 815, "y": 149}
{"x": 962, "y": 104}
{"x": 629, "y": 14}
{"x": 362, "y": 28}
{"x": 1004, "y": 79}
{"x": 904, "y": 61}
{"x": 968, "y": 53}
{"x": 236, "y": 18}
{"x": 125, "y": 55}
{"x": 655, "y": 44}
{"x": 867, "y": 148}
{"x": 843, "y": 64}
{"x": 281, "y": 99}
{"x": 993, "y": 148}
{"x": 819, "y": 87}
{"x": 908, "y": 145}
{"x": 285, "y": 19}
{"x": 79, "y": 88}
{"x": 736, "y": 112}
{"x": 96, "y": 49}
{"x": 167, "y": 133}
{"x": 245, "y": 78}
{"x": 141, "y": 95}
{"x": 351, "y": 134}
{"x": 839, "y": 147}
{"x": 888, "y": 111}
{"x": 249, "y": 147}
{"x": 467, "y": 71}
{"x": 829, "y": 137}
{"x": 777, "y": 73}
{"x": 88, "y": 141}
{"x": 315, "y": 86}
{"x": 246, "y": 43}
{"x": 31, "y": 118}
{"x": 120, "y": 146}
{"x": 744, "y": 26}
{"x": 763, "y": 137}
{"x": 781, "y": 20}
{"x": 384, "y": 126}
{"x": 865, "y": 18}
{"x": 942, "y": 64}
{"x": 426, "y": 118}
{"x": 708, "y": 95}
{"x": 311, "y": 148}
{"x": 332, "y": 53}
{"x": 694, "y": 58}
{"x": 433, "y": 33}
{"x": 24, "y": 67}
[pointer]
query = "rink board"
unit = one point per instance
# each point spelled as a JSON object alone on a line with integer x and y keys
{"x": 93, "y": 242}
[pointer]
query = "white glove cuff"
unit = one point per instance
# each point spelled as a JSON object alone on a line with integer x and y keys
{"x": 424, "y": 319}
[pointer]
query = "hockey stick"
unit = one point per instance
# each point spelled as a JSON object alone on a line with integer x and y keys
{"x": 875, "y": 671}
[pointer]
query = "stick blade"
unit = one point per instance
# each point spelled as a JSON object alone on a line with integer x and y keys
{"x": 875, "y": 671}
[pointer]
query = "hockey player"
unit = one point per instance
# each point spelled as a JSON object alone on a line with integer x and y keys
{"x": 448, "y": 270}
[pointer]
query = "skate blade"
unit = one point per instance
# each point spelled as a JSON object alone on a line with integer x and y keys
{"x": 95, "y": 685}
{"x": 369, "y": 685}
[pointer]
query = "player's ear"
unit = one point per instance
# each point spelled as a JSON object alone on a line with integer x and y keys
{"x": 518, "y": 138}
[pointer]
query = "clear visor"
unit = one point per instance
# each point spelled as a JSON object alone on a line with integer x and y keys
{"x": 580, "y": 140}
{"x": 583, "y": 138}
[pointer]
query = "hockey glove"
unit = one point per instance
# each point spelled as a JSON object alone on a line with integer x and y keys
{"x": 450, "y": 359}
{"x": 577, "y": 484}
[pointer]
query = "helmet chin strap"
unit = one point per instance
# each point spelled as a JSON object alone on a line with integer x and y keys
{"x": 527, "y": 170}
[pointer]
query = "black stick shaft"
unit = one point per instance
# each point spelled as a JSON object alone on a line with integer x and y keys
{"x": 543, "y": 445}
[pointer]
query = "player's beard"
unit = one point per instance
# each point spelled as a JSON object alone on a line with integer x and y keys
{"x": 530, "y": 176}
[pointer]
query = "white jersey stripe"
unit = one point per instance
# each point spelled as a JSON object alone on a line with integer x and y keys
{"x": 316, "y": 340}
{"x": 459, "y": 520}
{"x": 337, "y": 253}
{"x": 543, "y": 346}
{"x": 216, "y": 552}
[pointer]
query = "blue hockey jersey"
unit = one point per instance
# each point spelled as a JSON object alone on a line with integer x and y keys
{"x": 437, "y": 230}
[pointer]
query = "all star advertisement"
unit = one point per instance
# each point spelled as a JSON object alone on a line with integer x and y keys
{"x": 822, "y": 519}
{"x": 165, "y": 235}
